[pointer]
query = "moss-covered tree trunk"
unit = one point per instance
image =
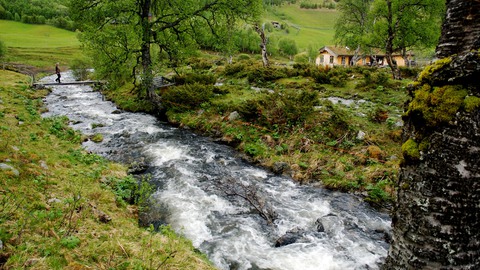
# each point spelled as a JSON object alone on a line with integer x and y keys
{"x": 436, "y": 223}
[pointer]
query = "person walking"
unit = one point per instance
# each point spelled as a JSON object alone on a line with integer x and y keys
{"x": 57, "y": 71}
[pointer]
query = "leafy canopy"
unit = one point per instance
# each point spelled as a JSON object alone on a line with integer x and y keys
{"x": 130, "y": 38}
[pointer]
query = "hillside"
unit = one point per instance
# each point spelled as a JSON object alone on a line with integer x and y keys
{"x": 308, "y": 27}
{"x": 38, "y": 46}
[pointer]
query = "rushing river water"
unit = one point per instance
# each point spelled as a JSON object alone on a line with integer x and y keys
{"x": 325, "y": 229}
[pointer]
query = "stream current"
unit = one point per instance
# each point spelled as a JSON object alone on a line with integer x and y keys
{"x": 319, "y": 229}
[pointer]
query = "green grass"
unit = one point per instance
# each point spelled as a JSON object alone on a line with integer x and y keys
{"x": 20, "y": 35}
{"x": 39, "y": 46}
{"x": 50, "y": 200}
{"x": 306, "y": 26}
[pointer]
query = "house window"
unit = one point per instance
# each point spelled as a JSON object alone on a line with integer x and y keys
{"x": 331, "y": 59}
{"x": 343, "y": 60}
{"x": 322, "y": 58}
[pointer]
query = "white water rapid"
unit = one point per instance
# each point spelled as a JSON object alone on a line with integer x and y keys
{"x": 331, "y": 230}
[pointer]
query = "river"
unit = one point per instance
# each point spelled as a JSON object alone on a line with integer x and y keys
{"x": 194, "y": 177}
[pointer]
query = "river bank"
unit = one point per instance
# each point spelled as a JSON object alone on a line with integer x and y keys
{"x": 60, "y": 205}
{"x": 240, "y": 215}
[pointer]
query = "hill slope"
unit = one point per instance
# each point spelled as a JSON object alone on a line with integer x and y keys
{"x": 306, "y": 26}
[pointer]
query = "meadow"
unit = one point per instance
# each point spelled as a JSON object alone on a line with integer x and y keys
{"x": 308, "y": 27}
{"x": 38, "y": 47}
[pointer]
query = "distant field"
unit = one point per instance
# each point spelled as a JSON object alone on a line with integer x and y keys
{"x": 40, "y": 46}
{"x": 21, "y": 35}
{"x": 307, "y": 26}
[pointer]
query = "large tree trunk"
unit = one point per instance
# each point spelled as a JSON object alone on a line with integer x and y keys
{"x": 147, "y": 76}
{"x": 437, "y": 215}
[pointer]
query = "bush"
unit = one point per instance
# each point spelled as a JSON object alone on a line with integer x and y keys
{"x": 199, "y": 64}
{"x": 265, "y": 74}
{"x": 191, "y": 78}
{"x": 3, "y": 49}
{"x": 234, "y": 70}
{"x": 187, "y": 97}
{"x": 287, "y": 108}
{"x": 80, "y": 69}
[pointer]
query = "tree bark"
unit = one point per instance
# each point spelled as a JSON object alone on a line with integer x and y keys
{"x": 389, "y": 43}
{"x": 263, "y": 45}
{"x": 436, "y": 219}
{"x": 147, "y": 75}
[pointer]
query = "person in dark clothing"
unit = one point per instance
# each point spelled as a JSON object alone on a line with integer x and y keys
{"x": 57, "y": 71}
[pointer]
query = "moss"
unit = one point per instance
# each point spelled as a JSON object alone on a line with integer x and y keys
{"x": 471, "y": 103}
{"x": 410, "y": 150}
{"x": 437, "y": 105}
{"x": 97, "y": 138}
{"x": 426, "y": 75}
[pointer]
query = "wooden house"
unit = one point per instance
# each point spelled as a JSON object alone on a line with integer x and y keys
{"x": 343, "y": 56}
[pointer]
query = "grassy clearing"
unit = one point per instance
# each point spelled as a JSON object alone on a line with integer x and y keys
{"x": 307, "y": 27}
{"x": 63, "y": 208}
{"x": 20, "y": 35}
{"x": 38, "y": 47}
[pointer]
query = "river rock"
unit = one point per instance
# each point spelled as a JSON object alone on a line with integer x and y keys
{"x": 6, "y": 167}
{"x": 290, "y": 237}
{"x": 281, "y": 167}
{"x": 233, "y": 116}
{"x": 361, "y": 135}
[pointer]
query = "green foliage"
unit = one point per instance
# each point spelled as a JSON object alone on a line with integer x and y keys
{"x": 471, "y": 103}
{"x": 53, "y": 12}
{"x": 288, "y": 47}
{"x": 70, "y": 242}
{"x": 80, "y": 68}
{"x": 58, "y": 126}
{"x": 122, "y": 38}
{"x": 187, "y": 97}
{"x": 3, "y": 49}
{"x": 410, "y": 150}
{"x": 192, "y": 78}
{"x": 338, "y": 77}
{"x": 261, "y": 75}
{"x": 437, "y": 105}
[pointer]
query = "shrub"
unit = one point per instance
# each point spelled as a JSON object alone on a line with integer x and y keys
{"x": 287, "y": 108}
{"x": 200, "y": 64}
{"x": 187, "y": 97}
{"x": 3, "y": 49}
{"x": 80, "y": 69}
{"x": 235, "y": 70}
{"x": 191, "y": 78}
{"x": 265, "y": 74}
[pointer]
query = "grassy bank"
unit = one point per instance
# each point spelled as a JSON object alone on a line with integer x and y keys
{"x": 340, "y": 128}
{"x": 61, "y": 207}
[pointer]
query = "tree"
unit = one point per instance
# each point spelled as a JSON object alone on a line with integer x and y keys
{"x": 354, "y": 25}
{"x": 136, "y": 35}
{"x": 437, "y": 213}
{"x": 402, "y": 24}
{"x": 288, "y": 47}
{"x": 391, "y": 25}
{"x": 263, "y": 44}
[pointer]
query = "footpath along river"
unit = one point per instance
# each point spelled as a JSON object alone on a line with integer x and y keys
{"x": 317, "y": 228}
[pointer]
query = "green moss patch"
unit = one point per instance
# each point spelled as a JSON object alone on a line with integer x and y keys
{"x": 410, "y": 150}
{"x": 438, "y": 104}
{"x": 471, "y": 103}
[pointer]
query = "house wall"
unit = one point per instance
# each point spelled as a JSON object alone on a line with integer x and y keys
{"x": 337, "y": 60}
